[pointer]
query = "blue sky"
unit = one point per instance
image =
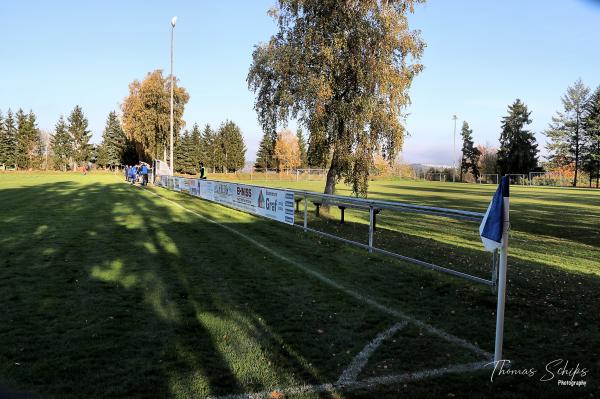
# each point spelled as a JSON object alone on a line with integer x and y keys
{"x": 480, "y": 56}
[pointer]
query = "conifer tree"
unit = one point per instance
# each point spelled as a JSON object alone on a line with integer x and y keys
{"x": 197, "y": 147}
{"x": 62, "y": 145}
{"x": 2, "y": 140}
{"x": 184, "y": 154}
{"x": 114, "y": 142}
{"x": 78, "y": 130}
{"x": 212, "y": 148}
{"x": 567, "y": 132}
{"x": 265, "y": 157}
{"x": 29, "y": 141}
{"x": 232, "y": 146}
{"x": 8, "y": 140}
{"x": 302, "y": 148}
{"x": 470, "y": 153}
{"x": 518, "y": 149}
{"x": 592, "y": 138}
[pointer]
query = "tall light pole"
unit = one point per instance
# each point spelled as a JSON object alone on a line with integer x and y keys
{"x": 454, "y": 151}
{"x": 173, "y": 21}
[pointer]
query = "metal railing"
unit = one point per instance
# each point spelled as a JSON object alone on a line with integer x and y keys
{"x": 374, "y": 206}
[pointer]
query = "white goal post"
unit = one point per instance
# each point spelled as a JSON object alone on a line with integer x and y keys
{"x": 432, "y": 176}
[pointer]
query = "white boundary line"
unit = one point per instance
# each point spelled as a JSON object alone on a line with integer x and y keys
{"x": 358, "y": 363}
{"x": 371, "y": 382}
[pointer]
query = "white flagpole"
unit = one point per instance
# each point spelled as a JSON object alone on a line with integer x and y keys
{"x": 502, "y": 284}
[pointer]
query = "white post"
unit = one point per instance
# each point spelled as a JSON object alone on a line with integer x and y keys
{"x": 502, "y": 284}
{"x": 172, "y": 83}
{"x": 454, "y": 150}
{"x": 305, "y": 213}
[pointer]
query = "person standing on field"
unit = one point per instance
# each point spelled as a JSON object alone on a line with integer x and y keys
{"x": 144, "y": 173}
{"x": 202, "y": 171}
{"x": 133, "y": 174}
{"x": 126, "y": 170}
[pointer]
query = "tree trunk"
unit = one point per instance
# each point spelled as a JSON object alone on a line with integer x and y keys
{"x": 331, "y": 176}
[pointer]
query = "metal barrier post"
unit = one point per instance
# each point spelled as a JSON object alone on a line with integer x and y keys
{"x": 371, "y": 216}
{"x": 305, "y": 213}
{"x": 495, "y": 272}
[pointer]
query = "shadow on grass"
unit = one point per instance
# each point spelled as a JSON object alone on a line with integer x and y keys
{"x": 112, "y": 293}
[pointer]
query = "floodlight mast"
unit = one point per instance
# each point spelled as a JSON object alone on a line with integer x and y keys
{"x": 173, "y": 22}
{"x": 454, "y": 151}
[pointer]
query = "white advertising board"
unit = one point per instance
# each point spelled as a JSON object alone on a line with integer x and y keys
{"x": 263, "y": 201}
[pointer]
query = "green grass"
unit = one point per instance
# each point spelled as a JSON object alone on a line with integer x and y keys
{"x": 111, "y": 291}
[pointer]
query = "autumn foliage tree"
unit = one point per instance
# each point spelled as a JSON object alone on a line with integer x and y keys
{"x": 343, "y": 69}
{"x": 146, "y": 114}
{"x": 287, "y": 151}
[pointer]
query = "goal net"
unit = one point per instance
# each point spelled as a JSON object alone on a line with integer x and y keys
{"x": 546, "y": 179}
{"x": 488, "y": 178}
{"x": 310, "y": 174}
{"x": 436, "y": 177}
{"x": 517, "y": 179}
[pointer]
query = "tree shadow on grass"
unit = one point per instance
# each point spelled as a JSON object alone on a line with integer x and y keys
{"x": 551, "y": 310}
{"x": 93, "y": 308}
{"x": 113, "y": 293}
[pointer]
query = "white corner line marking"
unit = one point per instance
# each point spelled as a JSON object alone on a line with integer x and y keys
{"x": 350, "y": 374}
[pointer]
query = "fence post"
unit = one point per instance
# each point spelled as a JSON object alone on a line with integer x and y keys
{"x": 371, "y": 217}
{"x": 305, "y": 213}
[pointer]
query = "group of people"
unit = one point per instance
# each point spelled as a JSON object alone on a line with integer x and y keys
{"x": 139, "y": 173}
{"x": 135, "y": 173}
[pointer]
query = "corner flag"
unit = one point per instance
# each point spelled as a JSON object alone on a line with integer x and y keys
{"x": 491, "y": 229}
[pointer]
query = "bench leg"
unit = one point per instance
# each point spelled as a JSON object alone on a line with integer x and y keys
{"x": 342, "y": 216}
{"x": 318, "y": 206}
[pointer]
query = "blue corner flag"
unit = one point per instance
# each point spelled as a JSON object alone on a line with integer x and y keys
{"x": 492, "y": 225}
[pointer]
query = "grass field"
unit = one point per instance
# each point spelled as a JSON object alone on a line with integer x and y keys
{"x": 114, "y": 291}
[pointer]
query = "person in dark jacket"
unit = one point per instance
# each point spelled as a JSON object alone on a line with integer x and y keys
{"x": 202, "y": 171}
